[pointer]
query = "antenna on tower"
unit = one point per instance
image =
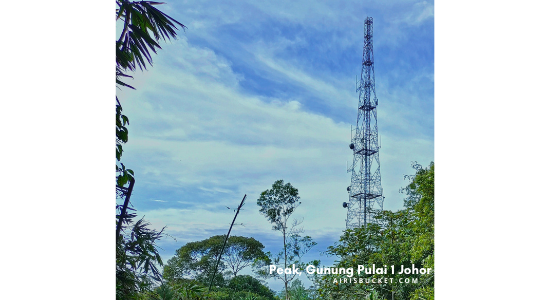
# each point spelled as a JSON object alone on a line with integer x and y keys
{"x": 365, "y": 191}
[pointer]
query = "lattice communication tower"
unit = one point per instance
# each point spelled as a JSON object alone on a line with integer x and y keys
{"x": 365, "y": 191}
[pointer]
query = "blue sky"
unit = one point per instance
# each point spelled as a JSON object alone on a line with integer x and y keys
{"x": 256, "y": 91}
{"x": 491, "y": 67}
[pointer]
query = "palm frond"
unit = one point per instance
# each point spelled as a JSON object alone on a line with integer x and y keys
{"x": 144, "y": 26}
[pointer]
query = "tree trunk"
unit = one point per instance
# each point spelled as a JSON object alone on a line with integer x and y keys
{"x": 287, "y": 296}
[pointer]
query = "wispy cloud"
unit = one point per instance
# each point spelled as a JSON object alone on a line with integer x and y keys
{"x": 254, "y": 92}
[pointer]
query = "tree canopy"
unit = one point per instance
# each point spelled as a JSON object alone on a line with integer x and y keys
{"x": 277, "y": 205}
{"x": 248, "y": 283}
{"x": 404, "y": 237}
{"x": 198, "y": 259}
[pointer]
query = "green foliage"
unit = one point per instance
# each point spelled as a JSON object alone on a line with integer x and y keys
{"x": 136, "y": 252}
{"x": 297, "y": 291}
{"x": 121, "y": 138}
{"x": 198, "y": 259}
{"x": 373, "y": 295}
{"x": 424, "y": 293}
{"x": 241, "y": 287}
{"x": 241, "y": 252}
{"x": 245, "y": 295}
{"x": 141, "y": 19}
{"x": 184, "y": 289}
{"x": 192, "y": 290}
{"x": 163, "y": 292}
{"x": 420, "y": 200}
{"x": 250, "y": 284}
{"x": 277, "y": 205}
{"x": 421, "y": 189}
{"x": 295, "y": 248}
{"x": 136, "y": 260}
{"x": 221, "y": 294}
{"x": 144, "y": 26}
{"x": 227, "y": 294}
{"x": 404, "y": 237}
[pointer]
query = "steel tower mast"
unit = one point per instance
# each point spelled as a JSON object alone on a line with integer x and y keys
{"x": 366, "y": 189}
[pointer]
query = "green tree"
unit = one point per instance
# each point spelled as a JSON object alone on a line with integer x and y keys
{"x": 404, "y": 237}
{"x": 420, "y": 201}
{"x": 241, "y": 252}
{"x": 277, "y": 205}
{"x": 144, "y": 26}
{"x": 248, "y": 283}
{"x": 355, "y": 247}
{"x": 297, "y": 291}
{"x": 244, "y": 295}
{"x": 162, "y": 292}
{"x": 136, "y": 259}
{"x": 198, "y": 259}
{"x": 239, "y": 288}
{"x": 191, "y": 290}
{"x": 136, "y": 252}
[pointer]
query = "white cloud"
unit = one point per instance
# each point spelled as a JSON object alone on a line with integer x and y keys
{"x": 203, "y": 131}
{"x": 423, "y": 11}
{"x": 192, "y": 125}
{"x": 331, "y": 95}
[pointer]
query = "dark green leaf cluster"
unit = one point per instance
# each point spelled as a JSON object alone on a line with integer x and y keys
{"x": 144, "y": 26}
{"x": 197, "y": 260}
{"x": 141, "y": 20}
{"x": 238, "y": 288}
{"x": 398, "y": 238}
{"x": 136, "y": 259}
{"x": 297, "y": 291}
{"x": 137, "y": 255}
{"x": 278, "y": 203}
{"x": 124, "y": 174}
{"x": 247, "y": 283}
